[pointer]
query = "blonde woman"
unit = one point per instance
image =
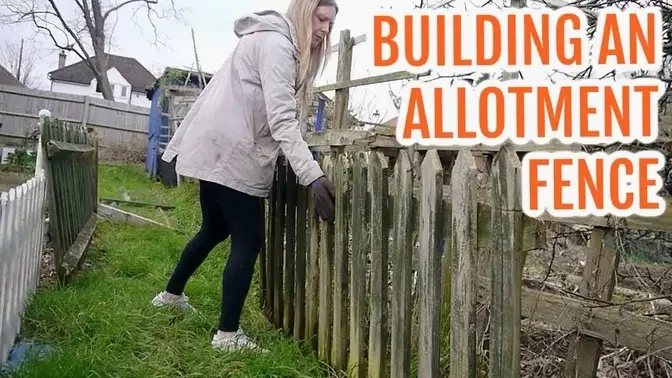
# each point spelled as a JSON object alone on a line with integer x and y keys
{"x": 230, "y": 140}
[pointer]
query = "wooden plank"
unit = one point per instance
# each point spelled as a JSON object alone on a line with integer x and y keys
{"x": 507, "y": 226}
{"x": 464, "y": 267}
{"x": 598, "y": 282}
{"x": 446, "y": 276}
{"x": 612, "y": 324}
{"x": 357, "y": 357}
{"x": 429, "y": 276}
{"x": 290, "y": 245}
{"x": 402, "y": 264}
{"x": 270, "y": 249}
{"x": 138, "y": 203}
{"x": 340, "y": 335}
{"x": 301, "y": 250}
{"x": 279, "y": 244}
{"x": 378, "y": 320}
{"x": 326, "y": 277}
{"x": 74, "y": 256}
{"x": 371, "y": 80}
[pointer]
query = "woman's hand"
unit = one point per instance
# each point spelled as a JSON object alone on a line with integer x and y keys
{"x": 323, "y": 198}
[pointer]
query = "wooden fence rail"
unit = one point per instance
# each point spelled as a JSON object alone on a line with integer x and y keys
{"x": 72, "y": 174}
{"x": 393, "y": 286}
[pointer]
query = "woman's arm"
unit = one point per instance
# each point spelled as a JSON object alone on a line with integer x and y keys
{"x": 277, "y": 70}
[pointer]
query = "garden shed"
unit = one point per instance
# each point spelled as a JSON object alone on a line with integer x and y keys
{"x": 172, "y": 96}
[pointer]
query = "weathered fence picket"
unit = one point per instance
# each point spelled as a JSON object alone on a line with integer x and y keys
{"x": 505, "y": 284}
{"x": 402, "y": 260}
{"x": 429, "y": 278}
{"x": 340, "y": 333}
{"x": 464, "y": 267}
{"x": 290, "y": 249}
{"x": 301, "y": 255}
{"x": 356, "y": 359}
{"x": 380, "y": 221}
{"x": 312, "y": 276}
{"x": 277, "y": 262}
{"x": 326, "y": 261}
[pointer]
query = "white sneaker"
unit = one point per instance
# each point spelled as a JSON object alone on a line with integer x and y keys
{"x": 237, "y": 342}
{"x": 165, "y": 298}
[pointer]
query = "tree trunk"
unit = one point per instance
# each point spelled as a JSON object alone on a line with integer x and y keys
{"x": 97, "y": 32}
{"x": 101, "y": 76}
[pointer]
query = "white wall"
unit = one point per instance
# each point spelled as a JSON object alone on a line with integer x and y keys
{"x": 116, "y": 80}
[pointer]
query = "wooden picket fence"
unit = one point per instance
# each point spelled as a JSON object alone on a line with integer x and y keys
{"x": 392, "y": 288}
{"x": 72, "y": 175}
{"x": 21, "y": 241}
{"x": 65, "y": 184}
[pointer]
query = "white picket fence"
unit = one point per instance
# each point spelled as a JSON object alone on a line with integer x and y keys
{"x": 22, "y": 229}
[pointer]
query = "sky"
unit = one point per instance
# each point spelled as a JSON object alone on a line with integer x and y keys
{"x": 212, "y": 21}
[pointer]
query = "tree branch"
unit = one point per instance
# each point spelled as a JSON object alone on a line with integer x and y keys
{"x": 78, "y": 40}
{"x": 125, "y": 3}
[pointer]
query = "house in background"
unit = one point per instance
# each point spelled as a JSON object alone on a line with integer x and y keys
{"x": 6, "y": 78}
{"x": 129, "y": 79}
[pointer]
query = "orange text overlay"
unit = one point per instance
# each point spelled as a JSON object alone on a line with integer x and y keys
{"x": 582, "y": 111}
{"x": 579, "y": 184}
{"x": 513, "y": 39}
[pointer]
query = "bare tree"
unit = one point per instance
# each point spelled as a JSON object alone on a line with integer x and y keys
{"x": 84, "y": 27}
{"x": 20, "y": 60}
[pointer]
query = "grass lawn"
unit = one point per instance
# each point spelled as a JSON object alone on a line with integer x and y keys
{"x": 103, "y": 325}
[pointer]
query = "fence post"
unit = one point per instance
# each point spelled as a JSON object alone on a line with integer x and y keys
{"x": 598, "y": 281}
{"x": 343, "y": 72}
{"x": 41, "y": 157}
{"x": 85, "y": 111}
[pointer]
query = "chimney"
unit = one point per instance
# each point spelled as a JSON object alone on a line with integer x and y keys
{"x": 61, "y": 59}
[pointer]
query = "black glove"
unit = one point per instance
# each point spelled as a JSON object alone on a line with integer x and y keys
{"x": 323, "y": 198}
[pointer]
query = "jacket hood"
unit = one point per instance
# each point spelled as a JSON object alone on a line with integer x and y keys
{"x": 265, "y": 21}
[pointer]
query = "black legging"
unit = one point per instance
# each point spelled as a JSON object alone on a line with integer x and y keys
{"x": 225, "y": 212}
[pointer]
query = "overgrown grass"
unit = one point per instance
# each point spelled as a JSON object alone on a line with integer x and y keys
{"x": 103, "y": 325}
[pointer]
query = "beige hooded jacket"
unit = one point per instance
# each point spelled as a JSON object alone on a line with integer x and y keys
{"x": 247, "y": 114}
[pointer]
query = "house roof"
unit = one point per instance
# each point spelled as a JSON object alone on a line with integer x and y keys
{"x": 7, "y": 78}
{"x": 135, "y": 73}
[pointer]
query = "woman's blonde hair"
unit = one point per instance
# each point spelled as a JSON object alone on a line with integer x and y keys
{"x": 300, "y": 12}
